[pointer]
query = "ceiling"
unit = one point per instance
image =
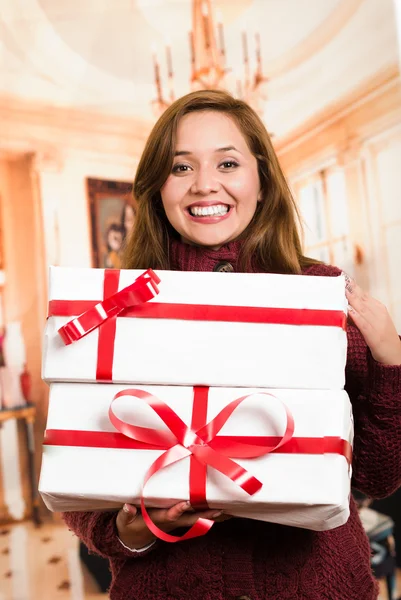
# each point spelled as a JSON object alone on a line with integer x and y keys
{"x": 97, "y": 54}
{"x": 118, "y": 36}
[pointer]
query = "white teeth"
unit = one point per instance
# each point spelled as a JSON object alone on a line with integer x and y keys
{"x": 207, "y": 211}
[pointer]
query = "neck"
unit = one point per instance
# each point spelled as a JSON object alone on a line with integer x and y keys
{"x": 191, "y": 243}
{"x": 185, "y": 256}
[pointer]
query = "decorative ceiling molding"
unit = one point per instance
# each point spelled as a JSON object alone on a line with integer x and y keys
{"x": 329, "y": 61}
{"x": 322, "y": 35}
{"x": 55, "y": 60}
{"x": 37, "y": 129}
{"x": 52, "y": 57}
{"x": 369, "y": 109}
{"x": 83, "y": 121}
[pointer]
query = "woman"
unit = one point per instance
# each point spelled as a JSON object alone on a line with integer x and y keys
{"x": 127, "y": 220}
{"x": 114, "y": 241}
{"x": 211, "y": 196}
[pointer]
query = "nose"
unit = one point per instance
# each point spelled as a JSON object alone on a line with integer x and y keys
{"x": 205, "y": 182}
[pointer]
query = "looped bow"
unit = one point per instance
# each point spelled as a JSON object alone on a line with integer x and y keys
{"x": 144, "y": 288}
{"x": 181, "y": 441}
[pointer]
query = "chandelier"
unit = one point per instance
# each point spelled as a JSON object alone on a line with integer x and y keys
{"x": 208, "y": 64}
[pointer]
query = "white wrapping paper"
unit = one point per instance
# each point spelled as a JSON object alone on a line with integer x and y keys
{"x": 181, "y": 352}
{"x": 310, "y": 491}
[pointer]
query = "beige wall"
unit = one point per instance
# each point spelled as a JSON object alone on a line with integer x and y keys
{"x": 360, "y": 138}
{"x": 24, "y": 303}
{"x": 22, "y": 240}
{"x": 44, "y": 162}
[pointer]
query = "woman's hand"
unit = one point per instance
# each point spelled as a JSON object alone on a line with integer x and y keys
{"x": 134, "y": 533}
{"x": 375, "y": 324}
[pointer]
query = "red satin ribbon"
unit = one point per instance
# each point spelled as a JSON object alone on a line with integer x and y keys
{"x": 132, "y": 301}
{"x": 181, "y": 441}
{"x": 200, "y": 443}
{"x": 103, "y": 315}
{"x": 210, "y": 312}
{"x": 118, "y": 441}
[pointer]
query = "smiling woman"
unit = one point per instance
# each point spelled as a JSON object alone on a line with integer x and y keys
{"x": 211, "y": 196}
{"x": 209, "y": 175}
{"x": 212, "y": 191}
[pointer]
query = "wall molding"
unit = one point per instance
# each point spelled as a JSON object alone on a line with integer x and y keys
{"x": 32, "y": 127}
{"x": 367, "y": 111}
{"x": 326, "y": 31}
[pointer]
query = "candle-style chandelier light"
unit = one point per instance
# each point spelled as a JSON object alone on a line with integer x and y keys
{"x": 209, "y": 68}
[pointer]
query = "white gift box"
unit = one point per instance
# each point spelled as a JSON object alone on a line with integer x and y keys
{"x": 299, "y": 489}
{"x": 178, "y": 351}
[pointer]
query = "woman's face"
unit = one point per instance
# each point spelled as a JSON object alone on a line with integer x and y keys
{"x": 129, "y": 218}
{"x": 212, "y": 191}
{"x": 115, "y": 239}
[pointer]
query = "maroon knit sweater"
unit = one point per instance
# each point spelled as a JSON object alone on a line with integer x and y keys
{"x": 241, "y": 558}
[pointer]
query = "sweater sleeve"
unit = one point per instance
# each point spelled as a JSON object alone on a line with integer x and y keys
{"x": 375, "y": 393}
{"x": 98, "y": 531}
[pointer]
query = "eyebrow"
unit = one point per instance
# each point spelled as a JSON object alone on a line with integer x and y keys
{"x": 224, "y": 149}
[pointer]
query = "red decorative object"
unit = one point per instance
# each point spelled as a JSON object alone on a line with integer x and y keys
{"x": 359, "y": 255}
{"x": 104, "y": 313}
{"x": 201, "y": 443}
{"x": 26, "y": 384}
{"x": 133, "y": 301}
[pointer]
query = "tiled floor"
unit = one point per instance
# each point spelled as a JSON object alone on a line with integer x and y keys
{"x": 43, "y": 564}
{"x": 383, "y": 593}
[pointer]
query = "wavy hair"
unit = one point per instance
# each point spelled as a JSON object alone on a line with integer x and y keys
{"x": 271, "y": 242}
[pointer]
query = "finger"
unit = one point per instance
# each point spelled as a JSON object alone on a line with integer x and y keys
{"x": 176, "y": 511}
{"x": 349, "y": 282}
{"x": 127, "y": 515}
{"x": 370, "y": 308}
{"x": 352, "y": 290}
{"x": 361, "y": 322}
{"x": 361, "y": 302}
{"x": 189, "y": 519}
{"x": 351, "y": 286}
{"x": 357, "y": 294}
{"x": 223, "y": 518}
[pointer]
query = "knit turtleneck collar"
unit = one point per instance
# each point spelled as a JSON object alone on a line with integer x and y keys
{"x": 184, "y": 257}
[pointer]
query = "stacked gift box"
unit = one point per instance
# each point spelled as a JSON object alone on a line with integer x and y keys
{"x": 237, "y": 381}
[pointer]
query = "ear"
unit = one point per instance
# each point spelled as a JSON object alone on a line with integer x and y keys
{"x": 260, "y": 197}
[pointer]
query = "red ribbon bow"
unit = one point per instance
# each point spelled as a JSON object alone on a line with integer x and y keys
{"x": 133, "y": 302}
{"x": 103, "y": 315}
{"x": 143, "y": 289}
{"x": 196, "y": 442}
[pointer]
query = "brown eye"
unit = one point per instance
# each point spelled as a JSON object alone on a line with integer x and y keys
{"x": 229, "y": 164}
{"x": 180, "y": 168}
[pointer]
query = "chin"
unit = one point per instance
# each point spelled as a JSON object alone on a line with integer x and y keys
{"x": 213, "y": 242}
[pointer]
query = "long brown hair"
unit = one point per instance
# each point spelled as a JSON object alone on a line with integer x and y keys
{"x": 271, "y": 240}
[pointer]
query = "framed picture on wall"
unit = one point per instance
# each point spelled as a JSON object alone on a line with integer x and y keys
{"x": 112, "y": 214}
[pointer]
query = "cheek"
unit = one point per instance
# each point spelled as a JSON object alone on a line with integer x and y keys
{"x": 246, "y": 189}
{"x": 168, "y": 203}
{"x": 172, "y": 193}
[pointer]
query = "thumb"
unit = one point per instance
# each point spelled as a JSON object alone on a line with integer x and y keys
{"x": 128, "y": 514}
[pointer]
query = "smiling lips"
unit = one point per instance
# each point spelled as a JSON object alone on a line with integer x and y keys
{"x": 214, "y": 211}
